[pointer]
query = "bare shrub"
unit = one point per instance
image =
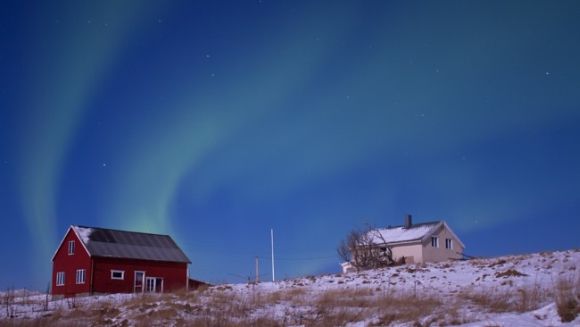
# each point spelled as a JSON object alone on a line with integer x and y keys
{"x": 365, "y": 249}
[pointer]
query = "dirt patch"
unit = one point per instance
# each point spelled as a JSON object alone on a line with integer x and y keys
{"x": 509, "y": 273}
{"x": 500, "y": 262}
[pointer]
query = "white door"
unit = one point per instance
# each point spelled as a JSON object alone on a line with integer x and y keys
{"x": 139, "y": 281}
{"x": 150, "y": 284}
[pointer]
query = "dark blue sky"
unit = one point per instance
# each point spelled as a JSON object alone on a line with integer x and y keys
{"x": 214, "y": 122}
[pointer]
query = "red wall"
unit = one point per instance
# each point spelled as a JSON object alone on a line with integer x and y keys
{"x": 174, "y": 274}
{"x": 69, "y": 264}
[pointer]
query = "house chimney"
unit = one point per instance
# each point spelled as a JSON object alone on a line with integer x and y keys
{"x": 408, "y": 221}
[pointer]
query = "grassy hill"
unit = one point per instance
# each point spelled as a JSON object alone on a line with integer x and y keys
{"x": 541, "y": 289}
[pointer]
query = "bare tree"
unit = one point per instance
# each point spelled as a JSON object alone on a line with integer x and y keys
{"x": 365, "y": 249}
{"x": 8, "y": 301}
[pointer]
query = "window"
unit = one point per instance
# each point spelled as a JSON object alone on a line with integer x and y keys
{"x": 448, "y": 243}
{"x": 71, "y": 247}
{"x": 60, "y": 278}
{"x": 118, "y": 274}
{"x": 435, "y": 241}
{"x": 81, "y": 276}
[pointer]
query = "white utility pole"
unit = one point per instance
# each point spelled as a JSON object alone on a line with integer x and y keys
{"x": 272, "y": 242}
{"x": 257, "y": 270}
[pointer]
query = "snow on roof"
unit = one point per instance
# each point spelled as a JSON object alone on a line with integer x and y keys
{"x": 84, "y": 233}
{"x": 401, "y": 234}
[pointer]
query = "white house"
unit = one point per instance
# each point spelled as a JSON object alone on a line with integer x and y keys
{"x": 416, "y": 243}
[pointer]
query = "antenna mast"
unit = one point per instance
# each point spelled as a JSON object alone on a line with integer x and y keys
{"x": 272, "y": 242}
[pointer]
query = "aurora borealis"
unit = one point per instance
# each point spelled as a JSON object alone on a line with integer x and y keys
{"x": 216, "y": 121}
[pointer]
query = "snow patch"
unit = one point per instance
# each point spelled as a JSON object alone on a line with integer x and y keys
{"x": 84, "y": 233}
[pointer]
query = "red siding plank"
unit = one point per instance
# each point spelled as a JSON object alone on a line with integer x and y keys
{"x": 174, "y": 274}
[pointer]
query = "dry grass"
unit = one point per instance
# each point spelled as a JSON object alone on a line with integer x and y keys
{"x": 225, "y": 307}
{"x": 568, "y": 299}
{"x": 371, "y": 303}
{"x": 345, "y": 298}
{"x": 498, "y": 300}
{"x": 342, "y": 306}
{"x": 59, "y": 317}
{"x": 224, "y": 321}
{"x": 407, "y": 306}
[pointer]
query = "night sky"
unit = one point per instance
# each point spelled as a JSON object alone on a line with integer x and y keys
{"x": 216, "y": 121}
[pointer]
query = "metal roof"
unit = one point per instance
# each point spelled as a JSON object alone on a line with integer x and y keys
{"x": 400, "y": 234}
{"x": 111, "y": 243}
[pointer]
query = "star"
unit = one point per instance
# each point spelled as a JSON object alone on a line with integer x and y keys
{"x": 207, "y": 55}
{"x": 104, "y": 164}
{"x": 548, "y": 73}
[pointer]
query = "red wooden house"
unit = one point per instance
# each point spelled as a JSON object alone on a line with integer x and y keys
{"x": 93, "y": 260}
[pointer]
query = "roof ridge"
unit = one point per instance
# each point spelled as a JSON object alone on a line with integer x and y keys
{"x": 433, "y": 222}
{"x": 122, "y": 230}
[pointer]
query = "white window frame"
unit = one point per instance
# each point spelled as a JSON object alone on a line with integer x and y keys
{"x": 113, "y": 271}
{"x": 71, "y": 247}
{"x": 435, "y": 241}
{"x": 81, "y": 276}
{"x": 60, "y": 278}
{"x": 449, "y": 243}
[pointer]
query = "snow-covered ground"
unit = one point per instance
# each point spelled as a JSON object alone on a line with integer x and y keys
{"x": 524, "y": 290}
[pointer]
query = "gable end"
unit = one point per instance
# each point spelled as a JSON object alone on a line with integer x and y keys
{"x": 64, "y": 238}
